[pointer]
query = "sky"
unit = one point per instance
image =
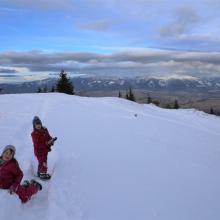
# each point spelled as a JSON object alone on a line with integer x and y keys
{"x": 121, "y": 37}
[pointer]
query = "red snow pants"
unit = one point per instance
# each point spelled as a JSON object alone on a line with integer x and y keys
{"x": 26, "y": 193}
{"x": 42, "y": 163}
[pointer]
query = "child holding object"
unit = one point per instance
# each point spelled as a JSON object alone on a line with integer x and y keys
{"x": 42, "y": 145}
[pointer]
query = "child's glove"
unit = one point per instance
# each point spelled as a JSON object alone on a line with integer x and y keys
{"x": 12, "y": 189}
{"x": 51, "y": 142}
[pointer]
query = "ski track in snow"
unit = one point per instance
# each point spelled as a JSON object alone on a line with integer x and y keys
{"x": 108, "y": 164}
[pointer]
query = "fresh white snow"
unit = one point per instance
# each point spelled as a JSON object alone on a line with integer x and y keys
{"x": 109, "y": 164}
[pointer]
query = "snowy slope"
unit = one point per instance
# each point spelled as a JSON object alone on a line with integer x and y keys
{"x": 110, "y": 165}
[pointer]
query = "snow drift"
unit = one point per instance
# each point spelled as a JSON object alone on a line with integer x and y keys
{"x": 114, "y": 160}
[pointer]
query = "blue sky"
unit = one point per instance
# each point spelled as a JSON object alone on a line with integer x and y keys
{"x": 40, "y": 29}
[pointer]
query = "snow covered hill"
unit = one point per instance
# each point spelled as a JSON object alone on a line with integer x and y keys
{"x": 114, "y": 160}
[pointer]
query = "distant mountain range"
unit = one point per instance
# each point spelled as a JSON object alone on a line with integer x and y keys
{"x": 113, "y": 83}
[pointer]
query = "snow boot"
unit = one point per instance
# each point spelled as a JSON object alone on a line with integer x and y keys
{"x": 44, "y": 176}
{"x": 25, "y": 184}
{"x": 37, "y": 184}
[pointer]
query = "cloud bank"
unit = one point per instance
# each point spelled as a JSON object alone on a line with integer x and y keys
{"x": 134, "y": 61}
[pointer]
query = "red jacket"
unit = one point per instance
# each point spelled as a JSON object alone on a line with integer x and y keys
{"x": 40, "y": 139}
{"x": 10, "y": 174}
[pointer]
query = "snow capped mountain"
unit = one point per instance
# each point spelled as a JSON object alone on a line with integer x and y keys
{"x": 114, "y": 159}
{"x": 109, "y": 84}
{"x": 179, "y": 83}
{"x": 172, "y": 83}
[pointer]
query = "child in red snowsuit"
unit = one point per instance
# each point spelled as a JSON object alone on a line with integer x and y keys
{"x": 11, "y": 176}
{"x": 42, "y": 145}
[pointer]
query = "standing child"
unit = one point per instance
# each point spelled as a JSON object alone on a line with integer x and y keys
{"x": 42, "y": 145}
{"x": 11, "y": 176}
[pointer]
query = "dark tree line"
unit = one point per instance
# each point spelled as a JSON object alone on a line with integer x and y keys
{"x": 174, "y": 105}
{"x": 129, "y": 95}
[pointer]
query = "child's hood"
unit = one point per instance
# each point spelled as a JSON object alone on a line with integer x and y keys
{"x": 9, "y": 147}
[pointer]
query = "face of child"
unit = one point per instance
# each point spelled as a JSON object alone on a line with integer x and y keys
{"x": 38, "y": 126}
{"x": 7, "y": 155}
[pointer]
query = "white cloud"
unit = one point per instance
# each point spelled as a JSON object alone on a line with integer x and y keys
{"x": 154, "y": 62}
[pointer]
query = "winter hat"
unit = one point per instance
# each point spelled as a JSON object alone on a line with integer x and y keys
{"x": 36, "y": 120}
{"x": 10, "y": 147}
